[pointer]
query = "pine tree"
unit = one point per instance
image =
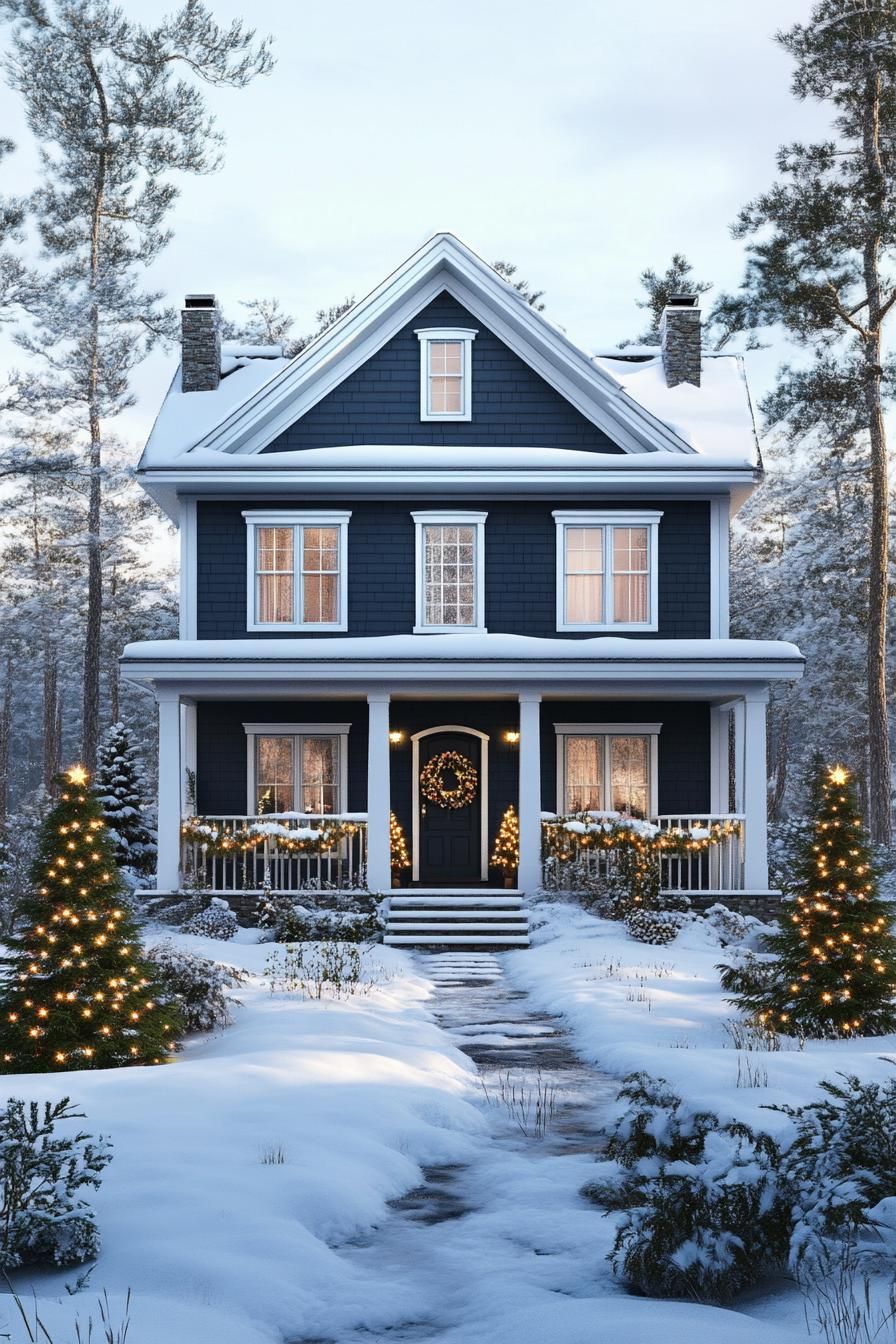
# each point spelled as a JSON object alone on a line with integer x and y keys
{"x": 398, "y": 847}
{"x": 117, "y": 109}
{"x": 676, "y": 279}
{"x": 78, "y": 992}
{"x": 821, "y": 245}
{"x": 122, "y": 790}
{"x": 506, "y": 854}
{"x": 835, "y": 973}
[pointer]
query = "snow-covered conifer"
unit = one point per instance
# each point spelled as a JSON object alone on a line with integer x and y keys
{"x": 122, "y": 789}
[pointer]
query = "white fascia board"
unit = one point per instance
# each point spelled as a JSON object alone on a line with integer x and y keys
{"x": 470, "y": 674}
{"x": 445, "y": 264}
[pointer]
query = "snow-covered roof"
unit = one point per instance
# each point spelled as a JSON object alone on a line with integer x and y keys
{"x": 623, "y": 394}
{"x": 716, "y": 418}
{"x": 477, "y": 647}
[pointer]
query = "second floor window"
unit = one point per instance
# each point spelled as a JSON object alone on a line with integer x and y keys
{"x": 450, "y": 571}
{"x": 607, "y": 571}
{"x": 297, "y": 571}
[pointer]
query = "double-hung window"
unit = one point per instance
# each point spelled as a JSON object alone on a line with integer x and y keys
{"x": 607, "y": 577}
{"x": 450, "y": 571}
{"x": 446, "y": 390}
{"x": 607, "y": 768}
{"x": 296, "y": 767}
{"x": 297, "y": 571}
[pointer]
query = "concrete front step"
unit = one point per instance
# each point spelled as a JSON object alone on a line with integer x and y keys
{"x": 460, "y": 900}
{"x": 458, "y": 926}
{"x": 457, "y": 940}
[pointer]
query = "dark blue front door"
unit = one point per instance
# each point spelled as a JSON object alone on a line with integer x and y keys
{"x": 450, "y": 837}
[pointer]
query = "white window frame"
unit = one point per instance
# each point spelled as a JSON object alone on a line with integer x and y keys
{"x": 428, "y": 336}
{"x": 295, "y": 730}
{"x": 442, "y": 519}
{"x": 278, "y": 518}
{"x": 608, "y": 730}
{"x": 608, "y": 520}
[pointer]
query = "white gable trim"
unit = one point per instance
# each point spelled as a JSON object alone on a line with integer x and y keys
{"x": 442, "y": 264}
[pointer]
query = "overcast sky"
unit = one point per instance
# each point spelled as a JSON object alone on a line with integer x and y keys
{"x": 581, "y": 139}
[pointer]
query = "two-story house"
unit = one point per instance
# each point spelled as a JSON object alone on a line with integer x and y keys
{"x": 444, "y": 528}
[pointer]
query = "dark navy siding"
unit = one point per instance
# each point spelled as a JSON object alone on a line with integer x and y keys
{"x": 380, "y": 402}
{"x": 684, "y": 747}
{"x": 683, "y": 785}
{"x": 221, "y": 747}
{"x": 520, "y": 566}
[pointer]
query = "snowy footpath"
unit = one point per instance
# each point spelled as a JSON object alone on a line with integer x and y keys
{"x": 403, "y": 1165}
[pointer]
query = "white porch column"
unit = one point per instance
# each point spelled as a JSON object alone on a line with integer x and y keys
{"x": 718, "y": 759}
{"x": 379, "y": 867}
{"x": 755, "y": 791}
{"x": 529, "y": 875}
{"x": 170, "y": 784}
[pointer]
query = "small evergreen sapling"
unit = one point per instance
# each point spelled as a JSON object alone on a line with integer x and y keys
{"x": 77, "y": 991}
{"x": 835, "y": 973}
{"x": 399, "y": 858}
{"x": 42, "y": 1217}
{"x": 506, "y": 854}
{"x": 121, "y": 786}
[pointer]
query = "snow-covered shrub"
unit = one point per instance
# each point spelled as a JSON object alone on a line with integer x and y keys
{"x": 44, "y": 1219}
{"x": 289, "y": 922}
{"x": 123, "y": 792}
{"x": 841, "y": 1170}
{"x": 654, "y": 926}
{"x": 704, "y": 1213}
{"x": 730, "y": 926}
{"x": 196, "y": 984}
{"x": 217, "y": 920}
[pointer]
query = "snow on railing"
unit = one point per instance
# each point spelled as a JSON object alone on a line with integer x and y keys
{"x": 278, "y": 851}
{"x": 695, "y": 853}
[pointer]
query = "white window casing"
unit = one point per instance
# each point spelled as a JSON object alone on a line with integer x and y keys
{"x": 446, "y": 372}
{"x": 296, "y": 733}
{"x": 444, "y": 591}
{"x": 303, "y": 571}
{"x": 597, "y": 532}
{"x": 604, "y": 733}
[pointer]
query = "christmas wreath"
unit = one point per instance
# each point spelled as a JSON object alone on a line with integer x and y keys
{"x": 432, "y": 784}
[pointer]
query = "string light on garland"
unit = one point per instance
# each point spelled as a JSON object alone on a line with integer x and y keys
{"x": 835, "y": 972}
{"x": 72, "y": 999}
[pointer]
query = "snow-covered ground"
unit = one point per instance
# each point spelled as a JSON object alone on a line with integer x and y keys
{"x": 218, "y": 1246}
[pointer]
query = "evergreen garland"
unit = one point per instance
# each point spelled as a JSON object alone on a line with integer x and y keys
{"x": 77, "y": 991}
{"x": 835, "y": 973}
{"x": 122, "y": 790}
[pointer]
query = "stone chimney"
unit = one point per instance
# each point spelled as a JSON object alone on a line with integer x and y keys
{"x": 680, "y": 339}
{"x": 200, "y": 343}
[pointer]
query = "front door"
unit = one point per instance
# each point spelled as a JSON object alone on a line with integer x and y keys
{"x": 450, "y": 837}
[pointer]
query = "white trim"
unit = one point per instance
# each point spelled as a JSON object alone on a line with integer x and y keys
{"x": 464, "y": 336}
{"x": 188, "y": 741}
{"x": 719, "y": 718}
{"x": 187, "y": 614}
{"x": 483, "y": 794}
{"x": 608, "y": 519}
{"x": 719, "y": 567}
{"x": 447, "y": 518}
{"x": 169, "y": 795}
{"x": 379, "y": 793}
{"x": 648, "y": 730}
{"x": 295, "y": 519}
{"x": 253, "y": 730}
{"x": 443, "y": 263}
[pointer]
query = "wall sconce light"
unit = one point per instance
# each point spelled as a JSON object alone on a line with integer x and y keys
{"x": 512, "y": 737}
{"x": 396, "y": 737}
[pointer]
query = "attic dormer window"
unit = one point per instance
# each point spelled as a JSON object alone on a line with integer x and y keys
{"x": 445, "y": 373}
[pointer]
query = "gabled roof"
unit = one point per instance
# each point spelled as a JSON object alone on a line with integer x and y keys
{"x": 265, "y": 395}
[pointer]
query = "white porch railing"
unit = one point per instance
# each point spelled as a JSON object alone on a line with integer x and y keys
{"x": 214, "y": 867}
{"x": 718, "y": 867}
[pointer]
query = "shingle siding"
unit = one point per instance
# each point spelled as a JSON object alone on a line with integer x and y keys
{"x": 380, "y": 402}
{"x": 520, "y": 565}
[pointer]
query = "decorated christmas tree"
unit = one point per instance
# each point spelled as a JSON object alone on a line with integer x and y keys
{"x": 77, "y": 992}
{"x": 122, "y": 791}
{"x": 835, "y": 973}
{"x": 506, "y": 854}
{"x": 398, "y": 848}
